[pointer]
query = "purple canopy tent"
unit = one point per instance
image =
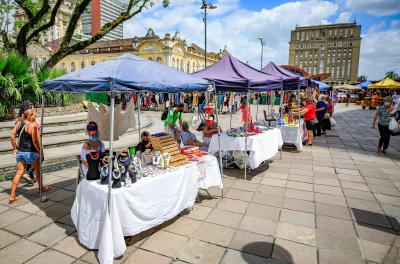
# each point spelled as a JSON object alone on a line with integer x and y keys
{"x": 291, "y": 80}
{"x": 231, "y": 75}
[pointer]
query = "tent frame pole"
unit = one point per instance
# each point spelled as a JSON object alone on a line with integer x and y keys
{"x": 258, "y": 100}
{"x": 280, "y": 118}
{"x": 232, "y": 102}
{"x": 138, "y": 113}
{"x": 111, "y": 153}
{"x": 219, "y": 147}
{"x": 42, "y": 199}
{"x": 245, "y": 135}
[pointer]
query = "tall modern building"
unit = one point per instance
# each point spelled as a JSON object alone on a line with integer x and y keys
{"x": 99, "y": 13}
{"x": 333, "y": 49}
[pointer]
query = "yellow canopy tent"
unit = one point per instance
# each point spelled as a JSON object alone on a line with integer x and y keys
{"x": 385, "y": 84}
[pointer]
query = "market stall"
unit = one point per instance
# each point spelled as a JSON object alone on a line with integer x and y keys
{"x": 132, "y": 196}
{"x": 231, "y": 75}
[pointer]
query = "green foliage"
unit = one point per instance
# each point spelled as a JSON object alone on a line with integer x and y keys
{"x": 362, "y": 78}
{"x": 392, "y": 75}
{"x": 17, "y": 81}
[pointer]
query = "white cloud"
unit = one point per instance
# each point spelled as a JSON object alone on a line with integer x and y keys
{"x": 379, "y": 53}
{"x": 344, "y": 17}
{"x": 374, "y": 7}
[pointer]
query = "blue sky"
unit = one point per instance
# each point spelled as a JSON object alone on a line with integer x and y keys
{"x": 238, "y": 24}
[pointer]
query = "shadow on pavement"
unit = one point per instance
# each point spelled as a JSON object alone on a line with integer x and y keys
{"x": 252, "y": 251}
{"x": 374, "y": 220}
{"x": 239, "y": 174}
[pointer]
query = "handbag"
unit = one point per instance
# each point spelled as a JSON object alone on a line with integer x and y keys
{"x": 314, "y": 121}
{"x": 332, "y": 121}
{"x": 394, "y": 126}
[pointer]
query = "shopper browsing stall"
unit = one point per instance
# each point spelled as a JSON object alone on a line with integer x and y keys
{"x": 322, "y": 109}
{"x": 308, "y": 111}
{"x": 210, "y": 130}
{"x": 145, "y": 142}
{"x": 174, "y": 116}
{"x": 189, "y": 139}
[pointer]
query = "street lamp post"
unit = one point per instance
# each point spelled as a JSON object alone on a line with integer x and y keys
{"x": 262, "y": 53}
{"x": 206, "y": 6}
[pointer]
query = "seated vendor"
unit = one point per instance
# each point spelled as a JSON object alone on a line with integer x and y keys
{"x": 209, "y": 131}
{"x": 189, "y": 139}
{"x": 93, "y": 144}
{"x": 145, "y": 142}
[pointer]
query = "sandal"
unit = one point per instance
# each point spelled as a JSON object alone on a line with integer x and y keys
{"x": 45, "y": 189}
{"x": 28, "y": 179}
{"x": 12, "y": 200}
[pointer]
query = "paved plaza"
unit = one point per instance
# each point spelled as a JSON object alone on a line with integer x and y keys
{"x": 336, "y": 202}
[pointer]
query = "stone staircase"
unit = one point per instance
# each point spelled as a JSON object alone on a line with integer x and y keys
{"x": 62, "y": 140}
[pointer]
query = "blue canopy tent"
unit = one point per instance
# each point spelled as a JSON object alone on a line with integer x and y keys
{"x": 323, "y": 87}
{"x": 127, "y": 73}
{"x": 364, "y": 85}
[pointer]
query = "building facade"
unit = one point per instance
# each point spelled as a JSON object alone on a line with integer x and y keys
{"x": 59, "y": 28}
{"x": 169, "y": 50}
{"x": 99, "y": 13}
{"x": 333, "y": 49}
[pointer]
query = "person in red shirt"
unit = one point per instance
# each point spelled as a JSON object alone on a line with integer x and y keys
{"x": 308, "y": 111}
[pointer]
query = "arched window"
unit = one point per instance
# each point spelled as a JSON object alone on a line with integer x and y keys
{"x": 93, "y": 62}
{"x": 188, "y": 67}
{"x": 150, "y": 59}
{"x": 173, "y": 63}
{"x": 63, "y": 66}
{"x": 159, "y": 60}
{"x": 177, "y": 64}
{"x": 82, "y": 64}
{"x": 72, "y": 66}
{"x": 198, "y": 66}
{"x": 182, "y": 65}
{"x": 193, "y": 67}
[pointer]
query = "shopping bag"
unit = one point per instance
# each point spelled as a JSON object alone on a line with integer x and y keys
{"x": 333, "y": 122}
{"x": 394, "y": 126}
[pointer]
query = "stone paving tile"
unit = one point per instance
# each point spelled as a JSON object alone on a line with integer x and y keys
{"x": 258, "y": 225}
{"x": 299, "y": 205}
{"x": 376, "y": 234}
{"x": 323, "y": 169}
{"x": 327, "y": 181}
{"x": 71, "y": 246}
{"x": 239, "y": 195}
{"x": 300, "y": 178}
{"x": 55, "y": 211}
{"x": 380, "y": 182}
{"x": 274, "y": 182}
{"x": 388, "y": 199}
{"x": 215, "y": 234}
{"x": 359, "y": 194}
{"x": 6, "y": 238}
{"x": 237, "y": 257}
{"x": 351, "y": 178}
{"x": 11, "y": 216}
{"x": 372, "y": 218}
{"x": 268, "y": 199}
{"x": 266, "y": 189}
{"x": 199, "y": 212}
{"x": 292, "y": 252}
{"x": 276, "y": 175}
{"x": 333, "y": 211}
{"x": 252, "y": 243}
{"x": 347, "y": 171}
{"x": 330, "y": 199}
{"x": 300, "y": 186}
{"x": 391, "y": 210}
{"x": 235, "y": 206}
{"x": 224, "y": 218}
{"x": 384, "y": 190}
{"x": 355, "y": 185}
{"x": 28, "y": 225}
{"x": 20, "y": 251}
{"x": 338, "y": 242}
{"x": 327, "y": 256}
{"x": 364, "y": 205}
{"x": 374, "y": 251}
{"x": 145, "y": 257}
{"x": 298, "y": 218}
{"x": 302, "y": 172}
{"x": 165, "y": 243}
{"x": 34, "y": 206}
{"x": 198, "y": 252}
{"x": 298, "y": 194}
{"x": 183, "y": 226}
{"x": 51, "y": 234}
{"x": 328, "y": 190}
{"x": 335, "y": 225}
{"x": 296, "y": 233}
{"x": 53, "y": 256}
{"x": 245, "y": 186}
{"x": 263, "y": 211}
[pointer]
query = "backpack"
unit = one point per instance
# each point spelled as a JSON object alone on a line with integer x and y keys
{"x": 164, "y": 114}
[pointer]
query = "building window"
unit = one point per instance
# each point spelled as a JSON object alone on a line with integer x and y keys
{"x": 298, "y": 36}
{"x": 159, "y": 60}
{"x": 188, "y": 67}
{"x": 182, "y": 67}
{"x": 82, "y": 64}
{"x": 93, "y": 62}
{"x": 173, "y": 63}
{"x": 72, "y": 66}
{"x": 150, "y": 59}
{"x": 194, "y": 67}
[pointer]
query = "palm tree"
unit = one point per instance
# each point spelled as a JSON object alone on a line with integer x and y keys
{"x": 17, "y": 82}
{"x": 362, "y": 78}
{"x": 392, "y": 75}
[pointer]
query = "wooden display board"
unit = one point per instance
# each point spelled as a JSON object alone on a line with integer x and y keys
{"x": 164, "y": 142}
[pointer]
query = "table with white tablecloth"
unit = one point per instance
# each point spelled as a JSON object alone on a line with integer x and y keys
{"x": 294, "y": 135}
{"x": 147, "y": 203}
{"x": 262, "y": 147}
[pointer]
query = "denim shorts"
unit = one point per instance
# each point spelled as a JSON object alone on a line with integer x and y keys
{"x": 27, "y": 157}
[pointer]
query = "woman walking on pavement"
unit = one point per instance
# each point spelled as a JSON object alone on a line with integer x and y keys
{"x": 383, "y": 115}
{"x": 27, "y": 151}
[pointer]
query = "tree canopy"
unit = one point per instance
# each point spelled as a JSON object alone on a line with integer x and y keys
{"x": 41, "y": 16}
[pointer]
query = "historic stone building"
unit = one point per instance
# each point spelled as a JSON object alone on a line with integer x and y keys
{"x": 169, "y": 50}
{"x": 59, "y": 28}
{"x": 333, "y": 49}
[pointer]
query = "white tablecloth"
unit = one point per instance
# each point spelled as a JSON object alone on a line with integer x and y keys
{"x": 147, "y": 203}
{"x": 293, "y": 135}
{"x": 262, "y": 146}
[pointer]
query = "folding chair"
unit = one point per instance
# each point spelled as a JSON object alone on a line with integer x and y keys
{"x": 269, "y": 119}
{"x": 80, "y": 173}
